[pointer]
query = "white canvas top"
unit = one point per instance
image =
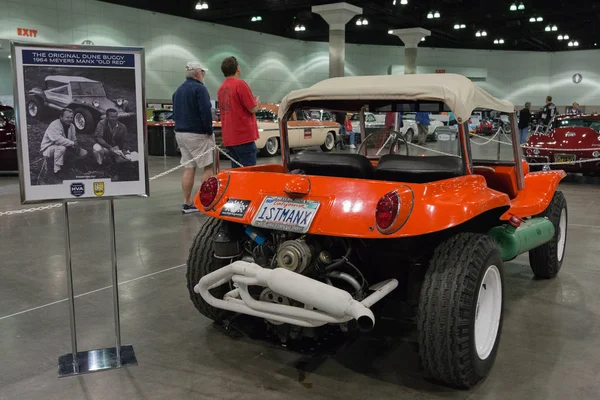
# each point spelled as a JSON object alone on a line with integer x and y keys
{"x": 67, "y": 79}
{"x": 456, "y": 91}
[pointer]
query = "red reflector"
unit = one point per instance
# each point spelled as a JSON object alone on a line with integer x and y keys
{"x": 208, "y": 191}
{"x": 387, "y": 210}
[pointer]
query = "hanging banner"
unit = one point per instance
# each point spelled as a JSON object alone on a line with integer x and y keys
{"x": 81, "y": 122}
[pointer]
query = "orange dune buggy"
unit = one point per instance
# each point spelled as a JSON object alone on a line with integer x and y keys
{"x": 313, "y": 244}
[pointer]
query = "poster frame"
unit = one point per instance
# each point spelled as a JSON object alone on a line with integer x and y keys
{"x": 140, "y": 104}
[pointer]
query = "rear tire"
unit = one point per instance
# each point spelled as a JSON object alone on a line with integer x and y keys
{"x": 460, "y": 310}
{"x": 329, "y": 142}
{"x": 271, "y": 147}
{"x": 202, "y": 262}
{"x": 35, "y": 108}
{"x": 83, "y": 120}
{"x": 547, "y": 259}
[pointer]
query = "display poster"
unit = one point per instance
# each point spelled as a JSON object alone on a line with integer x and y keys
{"x": 81, "y": 122}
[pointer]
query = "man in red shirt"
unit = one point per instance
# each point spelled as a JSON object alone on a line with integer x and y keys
{"x": 238, "y": 120}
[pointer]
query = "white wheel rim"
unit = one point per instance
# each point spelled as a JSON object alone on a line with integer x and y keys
{"x": 487, "y": 314}
{"x": 272, "y": 146}
{"x": 329, "y": 140}
{"x": 79, "y": 121}
{"x": 562, "y": 234}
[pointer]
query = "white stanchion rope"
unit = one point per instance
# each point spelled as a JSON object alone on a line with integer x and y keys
{"x": 56, "y": 205}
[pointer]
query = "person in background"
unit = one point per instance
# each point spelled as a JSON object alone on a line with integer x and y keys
{"x": 548, "y": 112}
{"x": 575, "y": 110}
{"x": 238, "y": 115}
{"x": 111, "y": 138}
{"x": 423, "y": 122}
{"x": 451, "y": 119}
{"x": 349, "y": 130}
{"x": 193, "y": 129}
{"x": 60, "y": 140}
{"x": 524, "y": 121}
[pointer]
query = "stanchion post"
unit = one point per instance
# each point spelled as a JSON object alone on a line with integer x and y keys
{"x": 164, "y": 140}
{"x": 115, "y": 280}
{"x": 70, "y": 289}
{"x": 216, "y": 159}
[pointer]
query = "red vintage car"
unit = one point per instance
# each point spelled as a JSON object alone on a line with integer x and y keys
{"x": 8, "y": 140}
{"x": 570, "y": 139}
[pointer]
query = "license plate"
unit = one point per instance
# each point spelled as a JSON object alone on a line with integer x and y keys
{"x": 285, "y": 214}
{"x": 564, "y": 157}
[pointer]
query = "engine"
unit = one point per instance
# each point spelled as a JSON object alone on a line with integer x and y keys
{"x": 327, "y": 260}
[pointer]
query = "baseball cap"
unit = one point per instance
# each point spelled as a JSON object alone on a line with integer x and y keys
{"x": 194, "y": 65}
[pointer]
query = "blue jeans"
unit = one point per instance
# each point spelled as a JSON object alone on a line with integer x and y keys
{"x": 524, "y": 133}
{"x": 245, "y": 154}
{"x": 351, "y": 134}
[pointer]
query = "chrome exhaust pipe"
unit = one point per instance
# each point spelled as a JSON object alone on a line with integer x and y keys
{"x": 323, "y": 303}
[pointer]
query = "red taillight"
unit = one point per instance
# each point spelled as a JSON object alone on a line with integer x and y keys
{"x": 208, "y": 191}
{"x": 387, "y": 210}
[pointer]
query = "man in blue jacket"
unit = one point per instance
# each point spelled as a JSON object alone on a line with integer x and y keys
{"x": 422, "y": 120}
{"x": 193, "y": 129}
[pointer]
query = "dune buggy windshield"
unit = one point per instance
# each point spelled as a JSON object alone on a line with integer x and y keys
{"x": 402, "y": 127}
{"x": 87, "y": 89}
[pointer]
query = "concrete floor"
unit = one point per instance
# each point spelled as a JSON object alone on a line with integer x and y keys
{"x": 550, "y": 347}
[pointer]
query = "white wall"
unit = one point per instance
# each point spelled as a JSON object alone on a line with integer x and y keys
{"x": 6, "y": 82}
{"x": 272, "y": 65}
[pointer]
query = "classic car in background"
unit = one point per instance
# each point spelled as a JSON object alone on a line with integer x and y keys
{"x": 569, "y": 138}
{"x": 411, "y": 130}
{"x": 8, "y": 140}
{"x": 303, "y": 131}
{"x": 87, "y": 98}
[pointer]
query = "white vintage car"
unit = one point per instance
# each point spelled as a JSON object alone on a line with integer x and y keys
{"x": 303, "y": 132}
{"x": 411, "y": 130}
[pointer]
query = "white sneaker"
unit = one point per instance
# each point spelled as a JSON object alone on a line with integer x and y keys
{"x": 352, "y": 146}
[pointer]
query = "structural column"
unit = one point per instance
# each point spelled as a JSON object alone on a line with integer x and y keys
{"x": 411, "y": 39}
{"x": 337, "y": 16}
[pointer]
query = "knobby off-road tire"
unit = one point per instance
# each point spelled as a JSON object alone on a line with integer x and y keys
{"x": 547, "y": 259}
{"x": 202, "y": 262}
{"x": 455, "y": 301}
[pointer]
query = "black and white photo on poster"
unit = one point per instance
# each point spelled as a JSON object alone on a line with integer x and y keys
{"x": 81, "y": 121}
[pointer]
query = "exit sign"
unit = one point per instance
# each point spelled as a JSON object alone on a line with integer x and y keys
{"x": 27, "y": 32}
{"x": 440, "y": 71}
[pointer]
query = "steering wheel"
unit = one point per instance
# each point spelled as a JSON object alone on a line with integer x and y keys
{"x": 395, "y": 140}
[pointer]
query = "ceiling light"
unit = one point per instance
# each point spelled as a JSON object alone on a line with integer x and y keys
{"x": 513, "y": 7}
{"x": 483, "y": 33}
{"x": 201, "y": 5}
{"x": 548, "y": 28}
{"x": 198, "y": 6}
{"x": 430, "y": 15}
{"x": 521, "y": 6}
{"x": 394, "y": 2}
{"x": 390, "y": 32}
{"x": 496, "y": 41}
{"x": 595, "y": 44}
{"x": 457, "y": 26}
{"x": 501, "y": 41}
{"x": 359, "y": 22}
{"x": 566, "y": 37}
{"x": 576, "y": 43}
{"x": 436, "y": 15}
{"x": 9, "y": 56}
{"x": 365, "y": 22}
{"x": 539, "y": 19}
{"x": 560, "y": 37}
{"x": 554, "y": 28}
{"x": 478, "y": 34}
{"x": 422, "y": 39}
{"x": 300, "y": 28}
{"x": 570, "y": 44}
{"x": 532, "y": 19}
{"x": 462, "y": 26}
{"x": 404, "y": 2}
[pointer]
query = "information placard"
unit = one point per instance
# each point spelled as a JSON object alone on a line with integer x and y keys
{"x": 80, "y": 122}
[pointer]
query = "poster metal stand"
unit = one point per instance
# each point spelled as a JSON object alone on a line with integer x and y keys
{"x": 83, "y": 362}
